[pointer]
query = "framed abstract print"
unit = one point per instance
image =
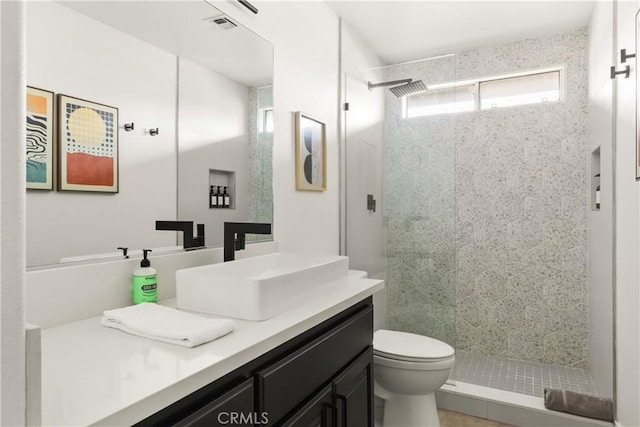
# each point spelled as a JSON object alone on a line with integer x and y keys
{"x": 40, "y": 139}
{"x": 88, "y": 146}
{"x": 311, "y": 153}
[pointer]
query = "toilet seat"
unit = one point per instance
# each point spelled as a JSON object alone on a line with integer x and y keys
{"x": 422, "y": 365}
{"x": 402, "y": 358}
{"x": 407, "y": 347}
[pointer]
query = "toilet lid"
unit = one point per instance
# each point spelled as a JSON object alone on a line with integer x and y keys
{"x": 403, "y": 345}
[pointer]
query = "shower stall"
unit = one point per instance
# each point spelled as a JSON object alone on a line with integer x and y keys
{"x": 481, "y": 222}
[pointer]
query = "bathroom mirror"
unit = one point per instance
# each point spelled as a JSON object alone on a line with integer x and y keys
{"x": 184, "y": 68}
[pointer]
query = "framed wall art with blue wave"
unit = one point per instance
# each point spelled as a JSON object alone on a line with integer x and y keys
{"x": 40, "y": 139}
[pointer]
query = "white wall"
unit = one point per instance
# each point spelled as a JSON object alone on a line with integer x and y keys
{"x": 72, "y": 54}
{"x": 12, "y": 221}
{"x": 600, "y": 279}
{"x": 213, "y": 114}
{"x": 627, "y": 217}
{"x": 305, "y": 39}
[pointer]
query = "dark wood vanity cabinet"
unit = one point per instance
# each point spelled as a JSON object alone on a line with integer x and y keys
{"x": 346, "y": 402}
{"x": 322, "y": 377}
{"x": 226, "y": 409}
{"x": 319, "y": 411}
{"x": 353, "y": 391}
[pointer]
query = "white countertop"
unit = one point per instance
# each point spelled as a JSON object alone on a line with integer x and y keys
{"x": 97, "y": 375}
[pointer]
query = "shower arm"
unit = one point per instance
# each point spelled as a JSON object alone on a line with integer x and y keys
{"x": 371, "y": 86}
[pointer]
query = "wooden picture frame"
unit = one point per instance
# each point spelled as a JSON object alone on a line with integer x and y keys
{"x": 87, "y": 146}
{"x": 311, "y": 153}
{"x": 40, "y": 143}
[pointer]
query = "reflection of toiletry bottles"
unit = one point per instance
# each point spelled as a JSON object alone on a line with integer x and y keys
{"x": 598, "y": 197}
{"x": 227, "y": 198}
{"x": 213, "y": 199}
{"x": 145, "y": 281}
{"x": 219, "y": 198}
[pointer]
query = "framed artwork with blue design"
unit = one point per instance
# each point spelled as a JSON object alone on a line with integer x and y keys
{"x": 87, "y": 146}
{"x": 40, "y": 139}
{"x": 311, "y": 153}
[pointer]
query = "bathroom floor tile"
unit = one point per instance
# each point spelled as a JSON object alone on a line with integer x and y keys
{"x": 519, "y": 376}
{"x": 455, "y": 419}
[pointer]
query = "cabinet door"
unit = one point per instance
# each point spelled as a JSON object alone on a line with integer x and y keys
{"x": 353, "y": 392}
{"x": 318, "y": 412}
{"x": 287, "y": 383}
{"x": 235, "y": 407}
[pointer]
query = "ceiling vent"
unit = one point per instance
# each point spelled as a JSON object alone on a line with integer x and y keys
{"x": 222, "y": 21}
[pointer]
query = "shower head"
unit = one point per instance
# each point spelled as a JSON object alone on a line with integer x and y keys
{"x": 401, "y": 87}
{"x": 408, "y": 88}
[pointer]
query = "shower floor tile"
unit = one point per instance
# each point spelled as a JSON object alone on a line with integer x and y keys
{"x": 519, "y": 376}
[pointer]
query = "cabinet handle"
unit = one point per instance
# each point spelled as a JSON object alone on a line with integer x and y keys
{"x": 327, "y": 415}
{"x": 341, "y": 408}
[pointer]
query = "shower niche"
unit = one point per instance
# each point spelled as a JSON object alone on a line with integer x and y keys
{"x": 222, "y": 189}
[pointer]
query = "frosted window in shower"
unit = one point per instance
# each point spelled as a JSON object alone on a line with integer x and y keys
{"x": 529, "y": 89}
{"x": 440, "y": 101}
{"x": 266, "y": 120}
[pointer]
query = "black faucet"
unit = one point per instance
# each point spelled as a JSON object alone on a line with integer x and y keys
{"x": 231, "y": 229}
{"x": 188, "y": 241}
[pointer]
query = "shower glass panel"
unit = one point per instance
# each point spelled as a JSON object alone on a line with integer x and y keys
{"x": 420, "y": 207}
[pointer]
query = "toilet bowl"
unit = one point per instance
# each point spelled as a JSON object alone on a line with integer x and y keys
{"x": 408, "y": 369}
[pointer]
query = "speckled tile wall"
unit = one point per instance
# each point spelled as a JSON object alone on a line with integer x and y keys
{"x": 487, "y": 211}
{"x": 260, "y": 148}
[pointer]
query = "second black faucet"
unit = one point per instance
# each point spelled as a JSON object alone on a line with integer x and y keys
{"x": 188, "y": 241}
{"x": 233, "y": 243}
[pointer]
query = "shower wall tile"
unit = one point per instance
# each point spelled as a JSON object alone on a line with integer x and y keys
{"x": 260, "y": 163}
{"x": 486, "y": 211}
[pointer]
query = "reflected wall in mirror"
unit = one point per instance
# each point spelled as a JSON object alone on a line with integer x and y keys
{"x": 164, "y": 65}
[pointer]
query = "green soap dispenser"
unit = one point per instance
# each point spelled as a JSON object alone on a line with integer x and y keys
{"x": 145, "y": 281}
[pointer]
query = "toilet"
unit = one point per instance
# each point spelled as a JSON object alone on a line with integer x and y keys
{"x": 408, "y": 369}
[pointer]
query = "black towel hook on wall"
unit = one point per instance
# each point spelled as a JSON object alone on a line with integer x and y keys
{"x": 624, "y": 55}
{"x": 249, "y": 6}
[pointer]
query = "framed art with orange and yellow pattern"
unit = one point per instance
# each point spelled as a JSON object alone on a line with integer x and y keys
{"x": 87, "y": 146}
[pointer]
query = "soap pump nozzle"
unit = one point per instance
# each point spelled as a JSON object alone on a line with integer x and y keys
{"x": 145, "y": 262}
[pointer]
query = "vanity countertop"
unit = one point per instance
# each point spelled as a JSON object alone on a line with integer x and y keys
{"x": 97, "y": 375}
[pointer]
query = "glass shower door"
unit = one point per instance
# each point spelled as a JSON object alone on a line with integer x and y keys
{"x": 420, "y": 209}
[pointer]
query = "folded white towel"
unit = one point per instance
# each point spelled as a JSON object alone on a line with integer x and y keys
{"x": 166, "y": 324}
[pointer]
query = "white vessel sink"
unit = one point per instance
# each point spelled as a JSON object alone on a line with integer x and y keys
{"x": 256, "y": 288}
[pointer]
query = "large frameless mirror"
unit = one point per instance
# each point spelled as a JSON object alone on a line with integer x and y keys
{"x": 194, "y": 89}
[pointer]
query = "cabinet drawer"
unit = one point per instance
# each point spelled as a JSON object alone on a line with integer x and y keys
{"x": 234, "y": 407}
{"x": 284, "y": 385}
